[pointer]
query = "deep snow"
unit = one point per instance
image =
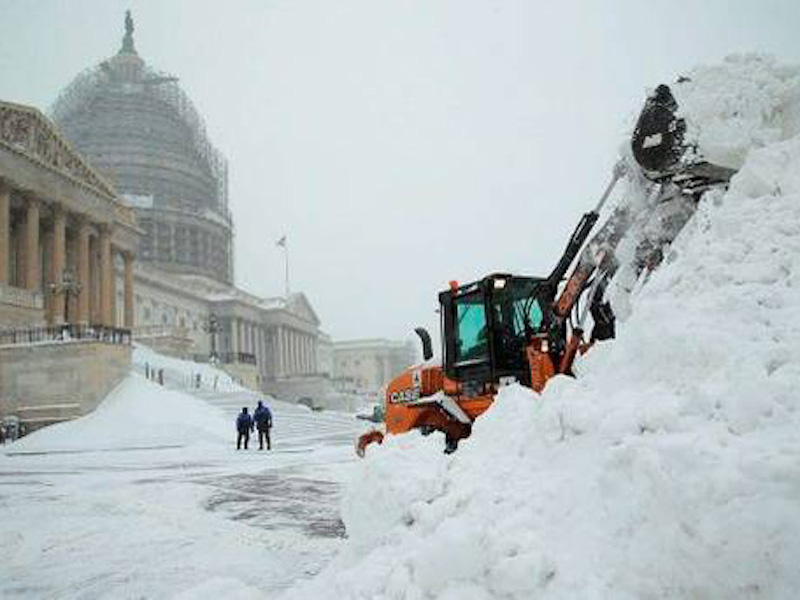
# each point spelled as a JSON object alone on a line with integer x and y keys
{"x": 148, "y": 498}
{"x": 670, "y": 468}
{"x": 136, "y": 414}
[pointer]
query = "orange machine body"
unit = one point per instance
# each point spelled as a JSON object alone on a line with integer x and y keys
{"x": 404, "y": 411}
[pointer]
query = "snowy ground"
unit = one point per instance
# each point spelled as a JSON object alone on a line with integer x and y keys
{"x": 148, "y": 498}
{"x": 670, "y": 468}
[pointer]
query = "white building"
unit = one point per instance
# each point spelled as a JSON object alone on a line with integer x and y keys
{"x": 141, "y": 132}
{"x": 367, "y": 365}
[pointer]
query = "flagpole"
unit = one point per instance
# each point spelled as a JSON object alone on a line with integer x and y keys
{"x": 281, "y": 243}
{"x": 286, "y": 264}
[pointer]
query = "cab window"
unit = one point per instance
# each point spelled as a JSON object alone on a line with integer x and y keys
{"x": 471, "y": 342}
{"x": 527, "y": 308}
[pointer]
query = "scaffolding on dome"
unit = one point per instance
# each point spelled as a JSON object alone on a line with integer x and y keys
{"x": 87, "y": 84}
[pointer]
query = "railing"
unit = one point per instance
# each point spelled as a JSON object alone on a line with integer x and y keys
{"x": 150, "y": 331}
{"x": 227, "y": 358}
{"x": 65, "y": 333}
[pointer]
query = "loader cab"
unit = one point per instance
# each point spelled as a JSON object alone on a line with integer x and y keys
{"x": 486, "y": 326}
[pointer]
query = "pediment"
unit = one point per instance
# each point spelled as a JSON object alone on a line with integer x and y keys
{"x": 299, "y": 306}
{"x": 25, "y": 130}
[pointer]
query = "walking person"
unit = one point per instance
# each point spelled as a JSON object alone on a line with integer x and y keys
{"x": 263, "y": 418}
{"x": 244, "y": 425}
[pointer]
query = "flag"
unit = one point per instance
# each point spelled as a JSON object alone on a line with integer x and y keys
{"x": 282, "y": 242}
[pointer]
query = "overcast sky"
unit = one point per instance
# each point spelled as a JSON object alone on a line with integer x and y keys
{"x": 398, "y": 144}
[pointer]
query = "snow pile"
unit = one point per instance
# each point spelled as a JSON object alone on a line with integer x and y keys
{"x": 136, "y": 414}
{"x": 747, "y": 102}
{"x": 671, "y": 467}
{"x": 183, "y": 374}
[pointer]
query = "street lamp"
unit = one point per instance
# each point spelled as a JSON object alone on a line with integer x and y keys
{"x": 212, "y": 327}
{"x": 69, "y": 286}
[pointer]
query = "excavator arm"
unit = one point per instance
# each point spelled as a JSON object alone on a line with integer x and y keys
{"x": 677, "y": 177}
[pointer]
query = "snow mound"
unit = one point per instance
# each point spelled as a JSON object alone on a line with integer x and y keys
{"x": 182, "y": 374}
{"x": 747, "y": 102}
{"x": 136, "y": 414}
{"x": 670, "y": 468}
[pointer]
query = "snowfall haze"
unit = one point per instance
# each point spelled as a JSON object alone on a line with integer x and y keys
{"x": 399, "y": 145}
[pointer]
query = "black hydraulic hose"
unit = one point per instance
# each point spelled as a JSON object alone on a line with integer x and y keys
{"x": 573, "y": 246}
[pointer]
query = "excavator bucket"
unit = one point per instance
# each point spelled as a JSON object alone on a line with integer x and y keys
{"x": 658, "y": 139}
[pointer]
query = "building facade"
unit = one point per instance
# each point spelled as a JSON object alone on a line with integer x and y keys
{"x": 63, "y": 231}
{"x": 67, "y": 247}
{"x": 369, "y": 364}
{"x": 127, "y": 171}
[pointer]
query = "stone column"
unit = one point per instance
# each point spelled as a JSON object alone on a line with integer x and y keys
{"x": 234, "y": 335}
{"x": 315, "y": 356}
{"x": 83, "y": 273}
{"x": 262, "y": 358}
{"x": 57, "y": 263}
{"x": 127, "y": 257}
{"x": 280, "y": 352}
{"x": 296, "y": 351}
{"x": 5, "y": 232}
{"x": 19, "y": 249}
{"x": 299, "y": 350}
{"x": 95, "y": 277}
{"x": 106, "y": 277}
{"x": 32, "y": 258}
{"x": 290, "y": 351}
{"x": 115, "y": 321}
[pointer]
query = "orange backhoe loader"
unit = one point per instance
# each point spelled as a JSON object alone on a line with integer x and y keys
{"x": 510, "y": 328}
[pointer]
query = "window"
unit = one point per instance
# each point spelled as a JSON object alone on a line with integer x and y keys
{"x": 534, "y": 315}
{"x": 471, "y": 342}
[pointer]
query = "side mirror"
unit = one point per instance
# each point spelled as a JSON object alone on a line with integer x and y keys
{"x": 425, "y": 337}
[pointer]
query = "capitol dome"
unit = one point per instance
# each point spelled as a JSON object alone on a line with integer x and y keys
{"x": 137, "y": 127}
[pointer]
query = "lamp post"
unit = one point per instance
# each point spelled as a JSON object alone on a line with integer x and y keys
{"x": 212, "y": 327}
{"x": 69, "y": 286}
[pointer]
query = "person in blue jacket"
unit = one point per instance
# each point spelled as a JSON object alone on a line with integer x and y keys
{"x": 244, "y": 425}
{"x": 263, "y": 419}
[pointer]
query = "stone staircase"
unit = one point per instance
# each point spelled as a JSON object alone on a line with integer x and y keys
{"x": 294, "y": 425}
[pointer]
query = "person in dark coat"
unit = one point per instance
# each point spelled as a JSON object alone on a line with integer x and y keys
{"x": 244, "y": 425}
{"x": 263, "y": 419}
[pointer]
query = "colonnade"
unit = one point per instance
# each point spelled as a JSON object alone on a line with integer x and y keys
{"x": 296, "y": 352}
{"x": 280, "y": 351}
{"x": 65, "y": 256}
